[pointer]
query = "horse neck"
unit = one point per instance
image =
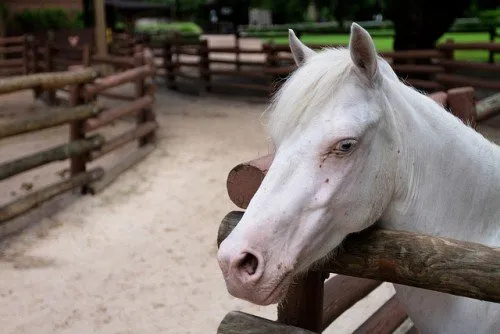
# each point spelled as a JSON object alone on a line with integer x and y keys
{"x": 448, "y": 181}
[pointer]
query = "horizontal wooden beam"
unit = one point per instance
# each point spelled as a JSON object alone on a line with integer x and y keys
{"x": 47, "y": 119}
{"x": 11, "y": 62}
{"x": 489, "y": 107}
{"x": 341, "y": 293}
{"x": 451, "y": 266}
{"x": 455, "y": 80}
{"x": 24, "y": 204}
{"x": 238, "y": 322}
{"x": 13, "y": 40}
{"x": 140, "y": 131}
{"x": 47, "y": 81}
{"x": 484, "y": 46}
{"x": 118, "y": 79}
{"x": 108, "y": 116}
{"x": 471, "y": 65}
{"x": 61, "y": 152}
{"x": 123, "y": 62}
{"x": 115, "y": 171}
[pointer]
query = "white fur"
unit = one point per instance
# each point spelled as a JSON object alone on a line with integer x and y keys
{"x": 415, "y": 168}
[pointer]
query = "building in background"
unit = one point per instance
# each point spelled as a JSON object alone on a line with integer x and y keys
{"x": 74, "y": 6}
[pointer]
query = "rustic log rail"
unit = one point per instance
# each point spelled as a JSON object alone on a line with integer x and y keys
{"x": 489, "y": 107}
{"x": 451, "y": 266}
{"x": 18, "y": 64}
{"x": 110, "y": 115}
{"x": 51, "y": 118}
{"x": 61, "y": 152}
{"x": 47, "y": 81}
{"x": 24, "y": 204}
{"x": 83, "y": 115}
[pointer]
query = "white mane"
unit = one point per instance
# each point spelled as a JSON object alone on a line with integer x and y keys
{"x": 309, "y": 87}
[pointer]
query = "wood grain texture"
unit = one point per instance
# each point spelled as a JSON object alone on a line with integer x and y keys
{"x": 239, "y": 322}
{"x": 445, "y": 265}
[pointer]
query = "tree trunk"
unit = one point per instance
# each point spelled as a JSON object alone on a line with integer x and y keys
{"x": 418, "y": 24}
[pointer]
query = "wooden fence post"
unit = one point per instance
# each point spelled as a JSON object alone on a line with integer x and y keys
{"x": 145, "y": 114}
{"x": 448, "y": 53}
{"x": 49, "y": 67}
{"x": 168, "y": 64}
{"x": 77, "y": 132}
{"x": 303, "y": 305}
{"x": 86, "y": 56}
{"x": 26, "y": 51}
{"x": 271, "y": 63}
{"x": 205, "y": 66}
{"x": 462, "y": 104}
{"x": 492, "y": 30}
{"x": 237, "y": 50}
{"x": 33, "y": 46}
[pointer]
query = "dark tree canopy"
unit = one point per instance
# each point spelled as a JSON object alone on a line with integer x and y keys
{"x": 418, "y": 24}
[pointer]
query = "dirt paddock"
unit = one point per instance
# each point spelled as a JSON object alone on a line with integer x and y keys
{"x": 140, "y": 257}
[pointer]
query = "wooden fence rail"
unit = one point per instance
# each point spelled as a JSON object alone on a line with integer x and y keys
{"x": 47, "y": 81}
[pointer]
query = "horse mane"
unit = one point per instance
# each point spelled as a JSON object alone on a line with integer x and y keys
{"x": 309, "y": 88}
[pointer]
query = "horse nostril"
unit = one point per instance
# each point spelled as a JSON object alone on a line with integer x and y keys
{"x": 248, "y": 263}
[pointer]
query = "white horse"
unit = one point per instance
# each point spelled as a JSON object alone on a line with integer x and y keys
{"x": 354, "y": 146}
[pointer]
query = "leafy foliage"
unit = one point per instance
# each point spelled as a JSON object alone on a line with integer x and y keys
{"x": 31, "y": 20}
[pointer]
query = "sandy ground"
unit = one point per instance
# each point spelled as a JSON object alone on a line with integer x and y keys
{"x": 140, "y": 257}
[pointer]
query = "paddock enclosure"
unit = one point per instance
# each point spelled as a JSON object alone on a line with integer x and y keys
{"x": 247, "y": 64}
{"x": 81, "y": 98}
{"x": 235, "y": 64}
{"x": 141, "y": 256}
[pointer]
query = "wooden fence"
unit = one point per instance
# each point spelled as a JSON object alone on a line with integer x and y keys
{"x": 261, "y": 69}
{"x": 264, "y": 68}
{"x": 14, "y": 55}
{"x": 85, "y": 116}
{"x": 313, "y": 303}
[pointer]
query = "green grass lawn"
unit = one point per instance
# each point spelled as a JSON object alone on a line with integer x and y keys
{"x": 385, "y": 43}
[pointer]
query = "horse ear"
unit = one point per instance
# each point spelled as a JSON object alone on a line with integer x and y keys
{"x": 362, "y": 50}
{"x": 300, "y": 51}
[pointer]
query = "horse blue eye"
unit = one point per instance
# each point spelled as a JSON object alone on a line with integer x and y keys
{"x": 345, "y": 146}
